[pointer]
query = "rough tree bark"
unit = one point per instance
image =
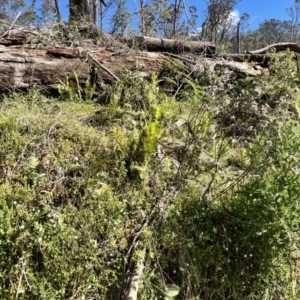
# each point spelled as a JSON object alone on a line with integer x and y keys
{"x": 80, "y": 8}
{"x": 169, "y": 45}
{"x": 23, "y": 68}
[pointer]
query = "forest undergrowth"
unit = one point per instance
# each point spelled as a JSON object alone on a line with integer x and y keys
{"x": 197, "y": 191}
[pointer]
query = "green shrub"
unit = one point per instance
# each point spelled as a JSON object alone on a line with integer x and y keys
{"x": 89, "y": 192}
{"x": 246, "y": 244}
{"x": 250, "y": 106}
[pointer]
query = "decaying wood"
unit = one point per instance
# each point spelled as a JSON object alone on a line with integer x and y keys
{"x": 25, "y": 65}
{"x": 240, "y": 67}
{"x": 278, "y": 47}
{"x": 168, "y": 45}
{"x": 24, "y": 68}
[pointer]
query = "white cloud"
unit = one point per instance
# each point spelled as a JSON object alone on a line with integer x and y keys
{"x": 234, "y": 17}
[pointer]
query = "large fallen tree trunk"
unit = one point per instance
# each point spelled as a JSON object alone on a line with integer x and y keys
{"x": 24, "y": 63}
{"x": 23, "y": 68}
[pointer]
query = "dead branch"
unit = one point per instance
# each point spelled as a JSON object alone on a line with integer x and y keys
{"x": 11, "y": 26}
{"x": 132, "y": 272}
{"x": 278, "y": 47}
{"x": 136, "y": 276}
{"x": 104, "y": 68}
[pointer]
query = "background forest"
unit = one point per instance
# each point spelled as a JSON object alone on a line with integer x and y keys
{"x": 166, "y": 19}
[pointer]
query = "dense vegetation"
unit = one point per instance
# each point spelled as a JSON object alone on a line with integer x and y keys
{"x": 201, "y": 187}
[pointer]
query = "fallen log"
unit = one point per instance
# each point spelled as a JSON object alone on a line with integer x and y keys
{"x": 26, "y": 62}
{"x": 168, "y": 45}
{"x": 278, "y": 47}
{"x": 25, "y": 67}
{"x": 22, "y": 68}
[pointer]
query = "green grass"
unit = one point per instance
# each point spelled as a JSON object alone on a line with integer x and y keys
{"x": 86, "y": 189}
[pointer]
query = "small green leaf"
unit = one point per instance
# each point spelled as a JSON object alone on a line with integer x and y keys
{"x": 171, "y": 291}
{"x": 170, "y": 80}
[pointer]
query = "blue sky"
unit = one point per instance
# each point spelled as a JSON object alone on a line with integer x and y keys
{"x": 259, "y": 10}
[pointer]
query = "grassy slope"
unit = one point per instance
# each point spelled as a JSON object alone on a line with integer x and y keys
{"x": 215, "y": 199}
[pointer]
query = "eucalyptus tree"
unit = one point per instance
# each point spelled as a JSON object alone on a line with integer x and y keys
{"x": 218, "y": 20}
{"x": 294, "y": 14}
{"x": 242, "y": 22}
{"x": 3, "y": 9}
{"x": 87, "y": 8}
{"x": 165, "y": 19}
{"x": 274, "y": 31}
{"x": 121, "y": 18}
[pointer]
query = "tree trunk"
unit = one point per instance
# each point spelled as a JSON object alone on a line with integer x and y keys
{"x": 80, "y": 9}
{"x": 57, "y": 9}
{"x": 142, "y": 17}
{"x": 95, "y": 11}
{"x": 238, "y": 37}
{"x": 22, "y": 69}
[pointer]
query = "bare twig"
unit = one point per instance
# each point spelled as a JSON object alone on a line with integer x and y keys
{"x": 155, "y": 216}
{"x": 32, "y": 32}
{"x": 19, "y": 285}
{"x": 135, "y": 278}
{"x": 11, "y": 26}
{"x": 23, "y": 274}
{"x": 104, "y": 68}
{"x": 4, "y": 23}
{"x": 180, "y": 57}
